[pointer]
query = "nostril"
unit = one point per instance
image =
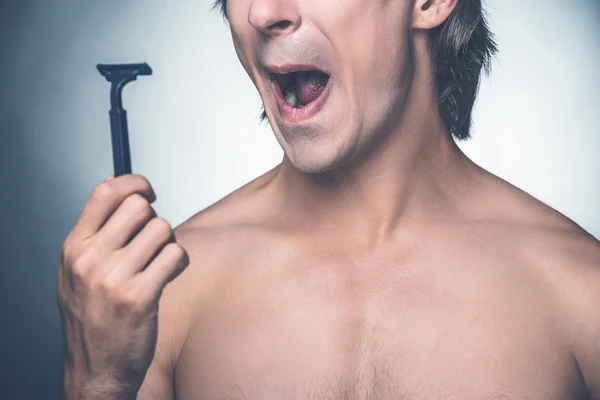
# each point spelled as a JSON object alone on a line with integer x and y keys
{"x": 281, "y": 25}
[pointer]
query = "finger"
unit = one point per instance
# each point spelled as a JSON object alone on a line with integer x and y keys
{"x": 165, "y": 267}
{"x": 122, "y": 226}
{"x": 105, "y": 198}
{"x": 145, "y": 246}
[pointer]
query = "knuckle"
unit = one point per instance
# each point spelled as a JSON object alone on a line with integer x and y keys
{"x": 104, "y": 191}
{"x": 174, "y": 252}
{"x": 142, "y": 179}
{"x": 108, "y": 284}
{"x": 161, "y": 227}
{"x": 136, "y": 201}
{"x": 129, "y": 298}
{"x": 71, "y": 250}
{"x": 144, "y": 182}
{"x": 81, "y": 267}
{"x": 138, "y": 205}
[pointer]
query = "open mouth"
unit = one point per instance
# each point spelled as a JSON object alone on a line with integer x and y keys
{"x": 300, "y": 88}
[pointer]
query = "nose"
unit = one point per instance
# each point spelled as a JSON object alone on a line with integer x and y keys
{"x": 274, "y": 17}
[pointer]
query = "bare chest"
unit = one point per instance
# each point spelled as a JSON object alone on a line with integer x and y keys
{"x": 314, "y": 335}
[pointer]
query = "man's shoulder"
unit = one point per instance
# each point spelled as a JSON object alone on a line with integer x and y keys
{"x": 560, "y": 256}
{"x": 559, "y": 253}
{"x": 565, "y": 259}
{"x": 570, "y": 260}
{"x": 243, "y": 206}
{"x": 533, "y": 227}
{"x": 556, "y": 246}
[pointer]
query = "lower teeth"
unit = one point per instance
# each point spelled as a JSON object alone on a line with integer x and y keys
{"x": 290, "y": 96}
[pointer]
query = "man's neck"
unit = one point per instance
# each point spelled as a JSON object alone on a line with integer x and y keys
{"x": 409, "y": 180}
{"x": 413, "y": 175}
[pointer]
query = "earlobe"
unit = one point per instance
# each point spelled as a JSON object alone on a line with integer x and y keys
{"x": 429, "y": 14}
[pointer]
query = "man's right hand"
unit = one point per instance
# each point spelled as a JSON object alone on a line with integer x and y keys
{"x": 114, "y": 265}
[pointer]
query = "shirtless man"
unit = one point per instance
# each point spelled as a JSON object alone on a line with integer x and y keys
{"x": 375, "y": 262}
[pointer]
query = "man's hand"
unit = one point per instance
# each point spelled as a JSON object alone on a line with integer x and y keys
{"x": 114, "y": 265}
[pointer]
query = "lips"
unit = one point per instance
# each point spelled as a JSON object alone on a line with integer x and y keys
{"x": 295, "y": 67}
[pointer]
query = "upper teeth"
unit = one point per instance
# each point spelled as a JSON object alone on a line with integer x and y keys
{"x": 290, "y": 95}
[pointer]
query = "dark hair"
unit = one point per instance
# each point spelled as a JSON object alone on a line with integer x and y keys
{"x": 462, "y": 48}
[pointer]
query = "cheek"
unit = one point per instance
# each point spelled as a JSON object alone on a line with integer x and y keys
{"x": 238, "y": 23}
{"x": 383, "y": 73}
{"x": 372, "y": 48}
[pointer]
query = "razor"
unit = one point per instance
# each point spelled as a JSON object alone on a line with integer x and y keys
{"x": 119, "y": 75}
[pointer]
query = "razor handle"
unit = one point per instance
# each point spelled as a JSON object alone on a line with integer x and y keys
{"x": 120, "y": 141}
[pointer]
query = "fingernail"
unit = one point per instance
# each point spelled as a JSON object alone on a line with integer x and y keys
{"x": 108, "y": 178}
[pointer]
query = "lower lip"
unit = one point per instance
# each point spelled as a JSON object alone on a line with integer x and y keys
{"x": 292, "y": 114}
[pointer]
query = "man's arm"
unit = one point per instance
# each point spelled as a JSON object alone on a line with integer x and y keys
{"x": 159, "y": 381}
{"x": 581, "y": 288}
{"x": 158, "y": 384}
{"x": 588, "y": 342}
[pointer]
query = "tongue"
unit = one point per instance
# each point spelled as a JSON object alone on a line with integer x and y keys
{"x": 309, "y": 85}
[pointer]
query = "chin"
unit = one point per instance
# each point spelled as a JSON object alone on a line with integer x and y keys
{"x": 311, "y": 158}
{"x": 321, "y": 145}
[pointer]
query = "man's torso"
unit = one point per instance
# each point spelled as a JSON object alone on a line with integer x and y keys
{"x": 446, "y": 311}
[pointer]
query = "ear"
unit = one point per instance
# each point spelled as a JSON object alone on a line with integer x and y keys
{"x": 429, "y": 14}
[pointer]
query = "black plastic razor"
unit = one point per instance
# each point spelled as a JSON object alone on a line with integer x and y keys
{"x": 119, "y": 75}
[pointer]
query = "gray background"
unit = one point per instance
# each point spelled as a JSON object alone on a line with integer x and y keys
{"x": 195, "y": 132}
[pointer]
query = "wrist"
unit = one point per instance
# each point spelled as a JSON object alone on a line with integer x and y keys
{"x": 78, "y": 385}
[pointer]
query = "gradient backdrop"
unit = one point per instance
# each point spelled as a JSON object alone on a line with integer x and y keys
{"x": 195, "y": 132}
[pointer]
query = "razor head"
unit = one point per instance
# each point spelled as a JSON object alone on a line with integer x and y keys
{"x": 120, "y": 72}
